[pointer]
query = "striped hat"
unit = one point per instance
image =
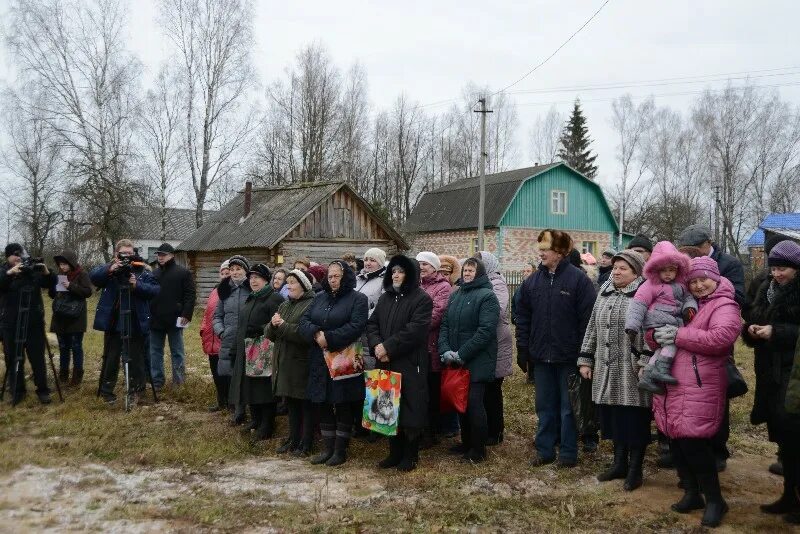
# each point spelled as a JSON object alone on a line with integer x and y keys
{"x": 241, "y": 261}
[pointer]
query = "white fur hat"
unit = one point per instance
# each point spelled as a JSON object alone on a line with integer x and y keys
{"x": 431, "y": 258}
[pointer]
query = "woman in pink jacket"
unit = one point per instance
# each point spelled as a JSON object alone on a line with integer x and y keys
{"x": 211, "y": 344}
{"x": 691, "y": 411}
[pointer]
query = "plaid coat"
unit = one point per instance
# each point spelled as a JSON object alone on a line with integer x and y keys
{"x": 607, "y": 349}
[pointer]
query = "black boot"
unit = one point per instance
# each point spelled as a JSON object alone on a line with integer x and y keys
{"x": 788, "y": 503}
{"x": 255, "y": 418}
{"x": 328, "y": 432}
{"x": 340, "y": 446}
{"x": 293, "y": 441}
{"x": 63, "y": 375}
{"x": 634, "y": 478}
{"x": 665, "y": 460}
{"x": 716, "y": 507}
{"x": 410, "y": 455}
{"x": 77, "y": 377}
{"x": 691, "y": 500}
{"x": 266, "y": 426}
{"x": 429, "y": 439}
{"x": 395, "y": 453}
{"x": 619, "y": 467}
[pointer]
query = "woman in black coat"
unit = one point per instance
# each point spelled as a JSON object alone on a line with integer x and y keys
{"x": 335, "y": 320}
{"x": 397, "y": 333}
{"x": 258, "y": 309}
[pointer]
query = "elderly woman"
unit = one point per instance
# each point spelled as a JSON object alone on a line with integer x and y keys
{"x": 612, "y": 363}
{"x": 290, "y": 362}
{"x": 279, "y": 281}
{"x": 691, "y": 411}
{"x": 451, "y": 269}
{"x": 255, "y": 391}
{"x": 336, "y": 319}
{"x": 397, "y": 334}
{"x": 772, "y": 326}
{"x": 211, "y": 342}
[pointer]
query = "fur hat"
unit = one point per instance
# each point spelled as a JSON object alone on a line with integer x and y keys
{"x": 450, "y": 268}
{"x": 555, "y": 240}
{"x": 261, "y": 269}
{"x": 14, "y": 249}
{"x": 665, "y": 254}
{"x": 641, "y": 241}
{"x": 703, "y": 267}
{"x": 376, "y": 254}
{"x": 302, "y": 277}
{"x": 785, "y": 254}
{"x": 632, "y": 258}
{"x": 431, "y": 258}
{"x": 241, "y": 261}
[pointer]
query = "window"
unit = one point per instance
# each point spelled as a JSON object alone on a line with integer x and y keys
{"x": 473, "y": 246}
{"x": 590, "y": 247}
{"x": 558, "y": 202}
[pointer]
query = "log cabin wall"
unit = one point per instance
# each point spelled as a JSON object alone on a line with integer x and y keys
{"x": 205, "y": 267}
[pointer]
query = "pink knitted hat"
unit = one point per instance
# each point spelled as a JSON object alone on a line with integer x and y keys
{"x": 703, "y": 267}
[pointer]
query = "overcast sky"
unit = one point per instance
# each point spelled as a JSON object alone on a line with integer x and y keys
{"x": 431, "y": 49}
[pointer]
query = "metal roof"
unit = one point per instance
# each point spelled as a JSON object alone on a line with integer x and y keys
{"x": 780, "y": 223}
{"x": 274, "y": 212}
{"x": 454, "y": 206}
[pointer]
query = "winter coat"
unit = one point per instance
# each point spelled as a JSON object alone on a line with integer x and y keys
{"x": 258, "y": 309}
{"x": 505, "y": 340}
{"x": 226, "y": 320}
{"x": 211, "y": 341}
{"x": 604, "y": 273}
{"x": 176, "y": 298}
{"x": 731, "y": 268}
{"x": 469, "y": 328}
{"x": 371, "y": 285}
{"x": 607, "y": 349}
{"x": 290, "y": 356}
{"x": 80, "y": 287}
{"x": 437, "y": 286}
{"x": 401, "y": 322}
{"x": 695, "y": 406}
{"x": 342, "y": 317}
{"x": 106, "y": 317}
{"x": 11, "y": 287}
{"x": 553, "y": 312}
{"x": 773, "y": 358}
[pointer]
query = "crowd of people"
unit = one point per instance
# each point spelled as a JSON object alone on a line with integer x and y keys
{"x": 638, "y": 335}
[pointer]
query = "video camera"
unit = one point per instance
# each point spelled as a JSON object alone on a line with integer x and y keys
{"x": 127, "y": 264}
{"x": 28, "y": 264}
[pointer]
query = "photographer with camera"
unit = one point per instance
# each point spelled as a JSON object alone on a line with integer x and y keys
{"x": 21, "y": 281}
{"x": 127, "y": 286}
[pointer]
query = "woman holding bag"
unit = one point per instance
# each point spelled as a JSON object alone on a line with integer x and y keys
{"x": 72, "y": 285}
{"x": 397, "y": 333}
{"x": 468, "y": 338}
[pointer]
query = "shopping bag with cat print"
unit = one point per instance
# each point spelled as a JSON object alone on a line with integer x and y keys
{"x": 345, "y": 363}
{"x": 382, "y": 401}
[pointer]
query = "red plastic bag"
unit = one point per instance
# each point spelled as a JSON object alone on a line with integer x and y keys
{"x": 455, "y": 390}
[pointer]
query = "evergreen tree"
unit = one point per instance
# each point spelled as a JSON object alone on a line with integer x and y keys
{"x": 575, "y": 143}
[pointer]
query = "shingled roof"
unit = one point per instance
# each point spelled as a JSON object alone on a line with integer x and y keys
{"x": 145, "y": 223}
{"x": 449, "y": 207}
{"x": 274, "y": 212}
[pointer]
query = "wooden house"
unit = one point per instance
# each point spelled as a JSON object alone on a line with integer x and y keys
{"x": 276, "y": 225}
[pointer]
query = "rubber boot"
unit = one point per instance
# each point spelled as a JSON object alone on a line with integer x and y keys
{"x": 647, "y": 383}
{"x": 661, "y": 372}
{"x": 266, "y": 426}
{"x": 77, "y": 377}
{"x": 691, "y": 500}
{"x": 63, "y": 375}
{"x": 293, "y": 441}
{"x": 619, "y": 467}
{"x": 255, "y": 418}
{"x": 634, "y": 478}
{"x": 716, "y": 507}
{"x": 340, "y": 446}
{"x": 410, "y": 455}
{"x": 395, "y": 453}
{"x": 328, "y": 432}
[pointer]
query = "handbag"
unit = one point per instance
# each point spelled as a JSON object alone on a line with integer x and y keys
{"x": 580, "y": 397}
{"x": 454, "y": 390}
{"x": 737, "y": 385}
{"x": 381, "y": 411}
{"x": 345, "y": 363}
{"x": 68, "y": 306}
{"x": 258, "y": 357}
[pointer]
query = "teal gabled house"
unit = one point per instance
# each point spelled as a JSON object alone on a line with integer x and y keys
{"x": 519, "y": 204}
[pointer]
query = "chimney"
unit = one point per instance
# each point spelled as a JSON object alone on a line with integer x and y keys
{"x": 248, "y": 198}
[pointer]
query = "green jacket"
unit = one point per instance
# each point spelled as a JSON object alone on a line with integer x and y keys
{"x": 469, "y": 328}
{"x": 290, "y": 356}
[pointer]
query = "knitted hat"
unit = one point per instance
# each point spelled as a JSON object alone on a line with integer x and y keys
{"x": 641, "y": 241}
{"x": 377, "y": 255}
{"x": 319, "y": 272}
{"x": 609, "y": 252}
{"x": 785, "y": 254}
{"x": 555, "y": 240}
{"x": 260, "y": 269}
{"x": 694, "y": 235}
{"x": 589, "y": 259}
{"x": 632, "y": 258}
{"x": 225, "y": 265}
{"x": 14, "y": 249}
{"x": 430, "y": 257}
{"x": 703, "y": 267}
{"x": 241, "y": 261}
{"x": 302, "y": 278}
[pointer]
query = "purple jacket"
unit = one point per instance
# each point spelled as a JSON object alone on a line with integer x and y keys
{"x": 438, "y": 289}
{"x": 694, "y": 407}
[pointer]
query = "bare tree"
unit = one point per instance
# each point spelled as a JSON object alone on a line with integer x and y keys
{"x": 544, "y": 137}
{"x": 213, "y": 41}
{"x": 407, "y": 132}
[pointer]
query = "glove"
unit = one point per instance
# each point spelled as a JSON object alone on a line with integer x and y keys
{"x": 447, "y": 357}
{"x": 632, "y": 335}
{"x": 688, "y": 315}
{"x": 665, "y": 335}
{"x": 456, "y": 360}
{"x": 522, "y": 358}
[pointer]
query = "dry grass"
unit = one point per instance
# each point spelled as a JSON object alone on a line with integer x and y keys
{"x": 442, "y": 494}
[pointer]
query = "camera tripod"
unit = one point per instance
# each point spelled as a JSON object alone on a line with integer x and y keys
{"x": 125, "y": 351}
{"x": 20, "y": 338}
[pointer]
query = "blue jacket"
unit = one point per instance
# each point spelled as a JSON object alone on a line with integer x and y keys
{"x": 107, "y": 310}
{"x": 552, "y": 314}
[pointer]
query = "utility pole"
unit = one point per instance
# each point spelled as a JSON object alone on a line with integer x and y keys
{"x": 716, "y": 214}
{"x": 482, "y": 197}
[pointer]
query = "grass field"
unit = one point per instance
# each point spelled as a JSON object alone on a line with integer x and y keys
{"x": 174, "y": 466}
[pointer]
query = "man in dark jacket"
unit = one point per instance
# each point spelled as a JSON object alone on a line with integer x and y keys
{"x": 605, "y": 267}
{"x": 20, "y": 284}
{"x": 112, "y": 278}
{"x": 731, "y": 268}
{"x": 553, "y": 312}
{"x": 170, "y": 312}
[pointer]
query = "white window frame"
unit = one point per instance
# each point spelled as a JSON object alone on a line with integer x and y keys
{"x": 592, "y": 248}
{"x": 556, "y": 200}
